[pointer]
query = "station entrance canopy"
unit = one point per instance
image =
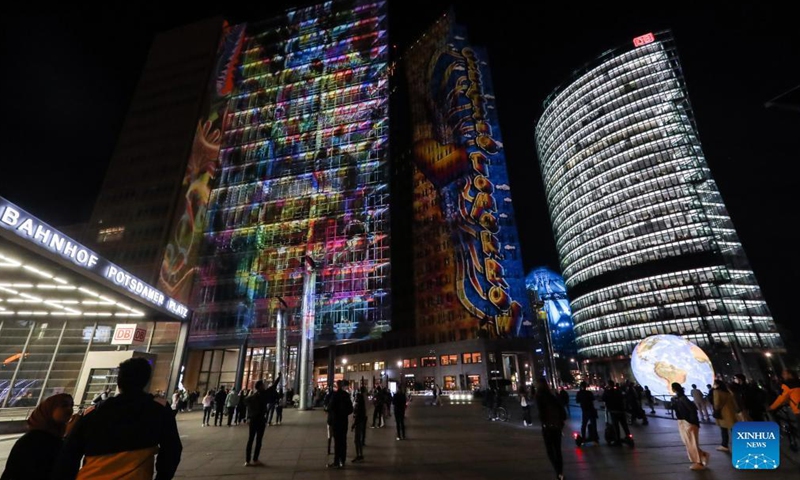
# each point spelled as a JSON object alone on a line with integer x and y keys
{"x": 45, "y": 273}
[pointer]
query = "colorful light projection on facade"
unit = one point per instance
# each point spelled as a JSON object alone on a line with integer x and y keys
{"x": 302, "y": 174}
{"x": 468, "y": 265}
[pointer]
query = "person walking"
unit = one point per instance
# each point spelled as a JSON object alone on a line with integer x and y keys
{"x": 279, "y": 406}
{"x": 699, "y": 402}
{"x": 34, "y": 454}
{"x": 121, "y": 438}
{"x": 341, "y": 407}
{"x": 360, "y": 423}
{"x": 525, "y": 403}
{"x": 724, "y": 412}
{"x": 753, "y": 400}
{"x": 585, "y": 399}
{"x": 241, "y": 407}
{"x": 257, "y": 413}
{"x": 208, "y": 402}
{"x": 378, "y": 412}
{"x": 615, "y": 405}
{"x": 219, "y": 406}
{"x": 790, "y": 394}
{"x": 563, "y": 395}
{"x": 689, "y": 427}
{"x": 552, "y": 415}
{"x": 400, "y": 402}
{"x": 230, "y": 404}
{"x": 648, "y": 395}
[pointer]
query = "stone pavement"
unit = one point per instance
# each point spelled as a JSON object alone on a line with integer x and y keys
{"x": 447, "y": 442}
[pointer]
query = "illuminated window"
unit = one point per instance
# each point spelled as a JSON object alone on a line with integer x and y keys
{"x": 409, "y": 363}
{"x": 379, "y": 366}
{"x": 112, "y": 234}
{"x": 428, "y": 361}
{"x": 449, "y": 360}
{"x": 474, "y": 381}
{"x": 474, "y": 357}
{"x": 351, "y": 368}
{"x": 450, "y": 382}
{"x": 365, "y": 367}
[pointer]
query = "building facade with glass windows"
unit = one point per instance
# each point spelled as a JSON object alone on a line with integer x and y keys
{"x": 286, "y": 209}
{"x": 68, "y": 317}
{"x": 645, "y": 241}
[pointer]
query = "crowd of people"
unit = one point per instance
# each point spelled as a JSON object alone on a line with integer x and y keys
{"x": 134, "y": 434}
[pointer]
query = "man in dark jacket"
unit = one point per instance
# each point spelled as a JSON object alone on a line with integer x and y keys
{"x": 552, "y": 416}
{"x": 340, "y": 408}
{"x": 689, "y": 427}
{"x": 615, "y": 405}
{"x": 257, "y": 413}
{"x": 360, "y": 423}
{"x": 219, "y": 405}
{"x": 585, "y": 399}
{"x": 121, "y": 438}
{"x": 377, "y": 413}
{"x": 400, "y": 400}
{"x": 753, "y": 399}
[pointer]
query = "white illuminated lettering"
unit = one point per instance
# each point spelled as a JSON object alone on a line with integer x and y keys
{"x": 57, "y": 242}
{"x": 70, "y": 250}
{"x": 140, "y": 288}
{"x": 10, "y": 217}
{"x": 92, "y": 261}
{"x": 27, "y": 227}
{"x": 160, "y": 298}
{"x": 83, "y": 256}
{"x": 41, "y": 233}
{"x": 111, "y": 272}
{"x": 120, "y": 278}
{"x": 127, "y": 279}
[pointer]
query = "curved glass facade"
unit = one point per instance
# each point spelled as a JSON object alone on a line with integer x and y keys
{"x": 646, "y": 244}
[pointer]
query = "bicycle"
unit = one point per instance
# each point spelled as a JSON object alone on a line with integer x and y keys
{"x": 785, "y": 420}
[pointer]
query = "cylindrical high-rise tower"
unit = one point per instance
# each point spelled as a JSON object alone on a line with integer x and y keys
{"x": 646, "y": 244}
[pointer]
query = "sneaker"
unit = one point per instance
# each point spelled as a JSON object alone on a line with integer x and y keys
{"x": 398, "y": 438}
{"x": 560, "y": 476}
{"x": 705, "y": 457}
{"x": 697, "y": 466}
{"x": 723, "y": 449}
{"x": 256, "y": 463}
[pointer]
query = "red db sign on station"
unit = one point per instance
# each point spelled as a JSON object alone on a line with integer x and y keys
{"x": 128, "y": 334}
{"x": 644, "y": 40}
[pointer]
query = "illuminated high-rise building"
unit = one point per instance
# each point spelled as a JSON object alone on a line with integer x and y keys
{"x": 286, "y": 191}
{"x": 646, "y": 244}
{"x": 468, "y": 275}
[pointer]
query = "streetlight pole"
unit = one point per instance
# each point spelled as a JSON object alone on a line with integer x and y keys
{"x": 400, "y": 379}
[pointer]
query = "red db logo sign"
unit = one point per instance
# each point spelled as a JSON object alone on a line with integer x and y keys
{"x": 128, "y": 334}
{"x": 644, "y": 40}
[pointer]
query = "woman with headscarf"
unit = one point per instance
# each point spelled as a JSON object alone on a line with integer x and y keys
{"x": 34, "y": 454}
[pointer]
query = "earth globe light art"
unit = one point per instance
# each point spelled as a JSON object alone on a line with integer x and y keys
{"x": 659, "y": 360}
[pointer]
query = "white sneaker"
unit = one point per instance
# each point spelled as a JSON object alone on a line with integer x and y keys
{"x": 246, "y": 464}
{"x": 723, "y": 449}
{"x": 398, "y": 438}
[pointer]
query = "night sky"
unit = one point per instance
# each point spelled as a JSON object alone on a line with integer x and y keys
{"x": 68, "y": 77}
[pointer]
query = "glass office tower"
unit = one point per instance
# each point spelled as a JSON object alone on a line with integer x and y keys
{"x": 646, "y": 244}
{"x": 286, "y": 190}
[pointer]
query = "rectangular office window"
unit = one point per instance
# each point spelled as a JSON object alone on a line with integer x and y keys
{"x": 428, "y": 361}
{"x": 379, "y": 366}
{"x": 449, "y": 382}
{"x": 449, "y": 360}
{"x": 112, "y": 234}
{"x": 409, "y": 363}
{"x": 429, "y": 383}
{"x": 365, "y": 367}
{"x": 474, "y": 381}
{"x": 474, "y": 357}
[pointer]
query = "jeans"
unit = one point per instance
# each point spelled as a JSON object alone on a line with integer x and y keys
{"x": 257, "y": 426}
{"x": 400, "y": 420}
{"x": 617, "y": 419}
{"x": 360, "y": 428}
{"x": 590, "y": 419}
{"x": 278, "y": 414}
{"x": 725, "y": 437}
{"x": 231, "y": 411}
{"x": 377, "y": 415}
{"x": 340, "y": 443}
{"x": 206, "y": 415}
{"x": 270, "y": 412}
{"x": 552, "y": 442}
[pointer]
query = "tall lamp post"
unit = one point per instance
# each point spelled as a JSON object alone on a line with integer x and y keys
{"x": 400, "y": 379}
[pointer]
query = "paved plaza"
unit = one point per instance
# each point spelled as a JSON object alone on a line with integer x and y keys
{"x": 447, "y": 442}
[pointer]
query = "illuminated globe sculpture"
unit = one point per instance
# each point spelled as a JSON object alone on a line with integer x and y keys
{"x": 660, "y": 360}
